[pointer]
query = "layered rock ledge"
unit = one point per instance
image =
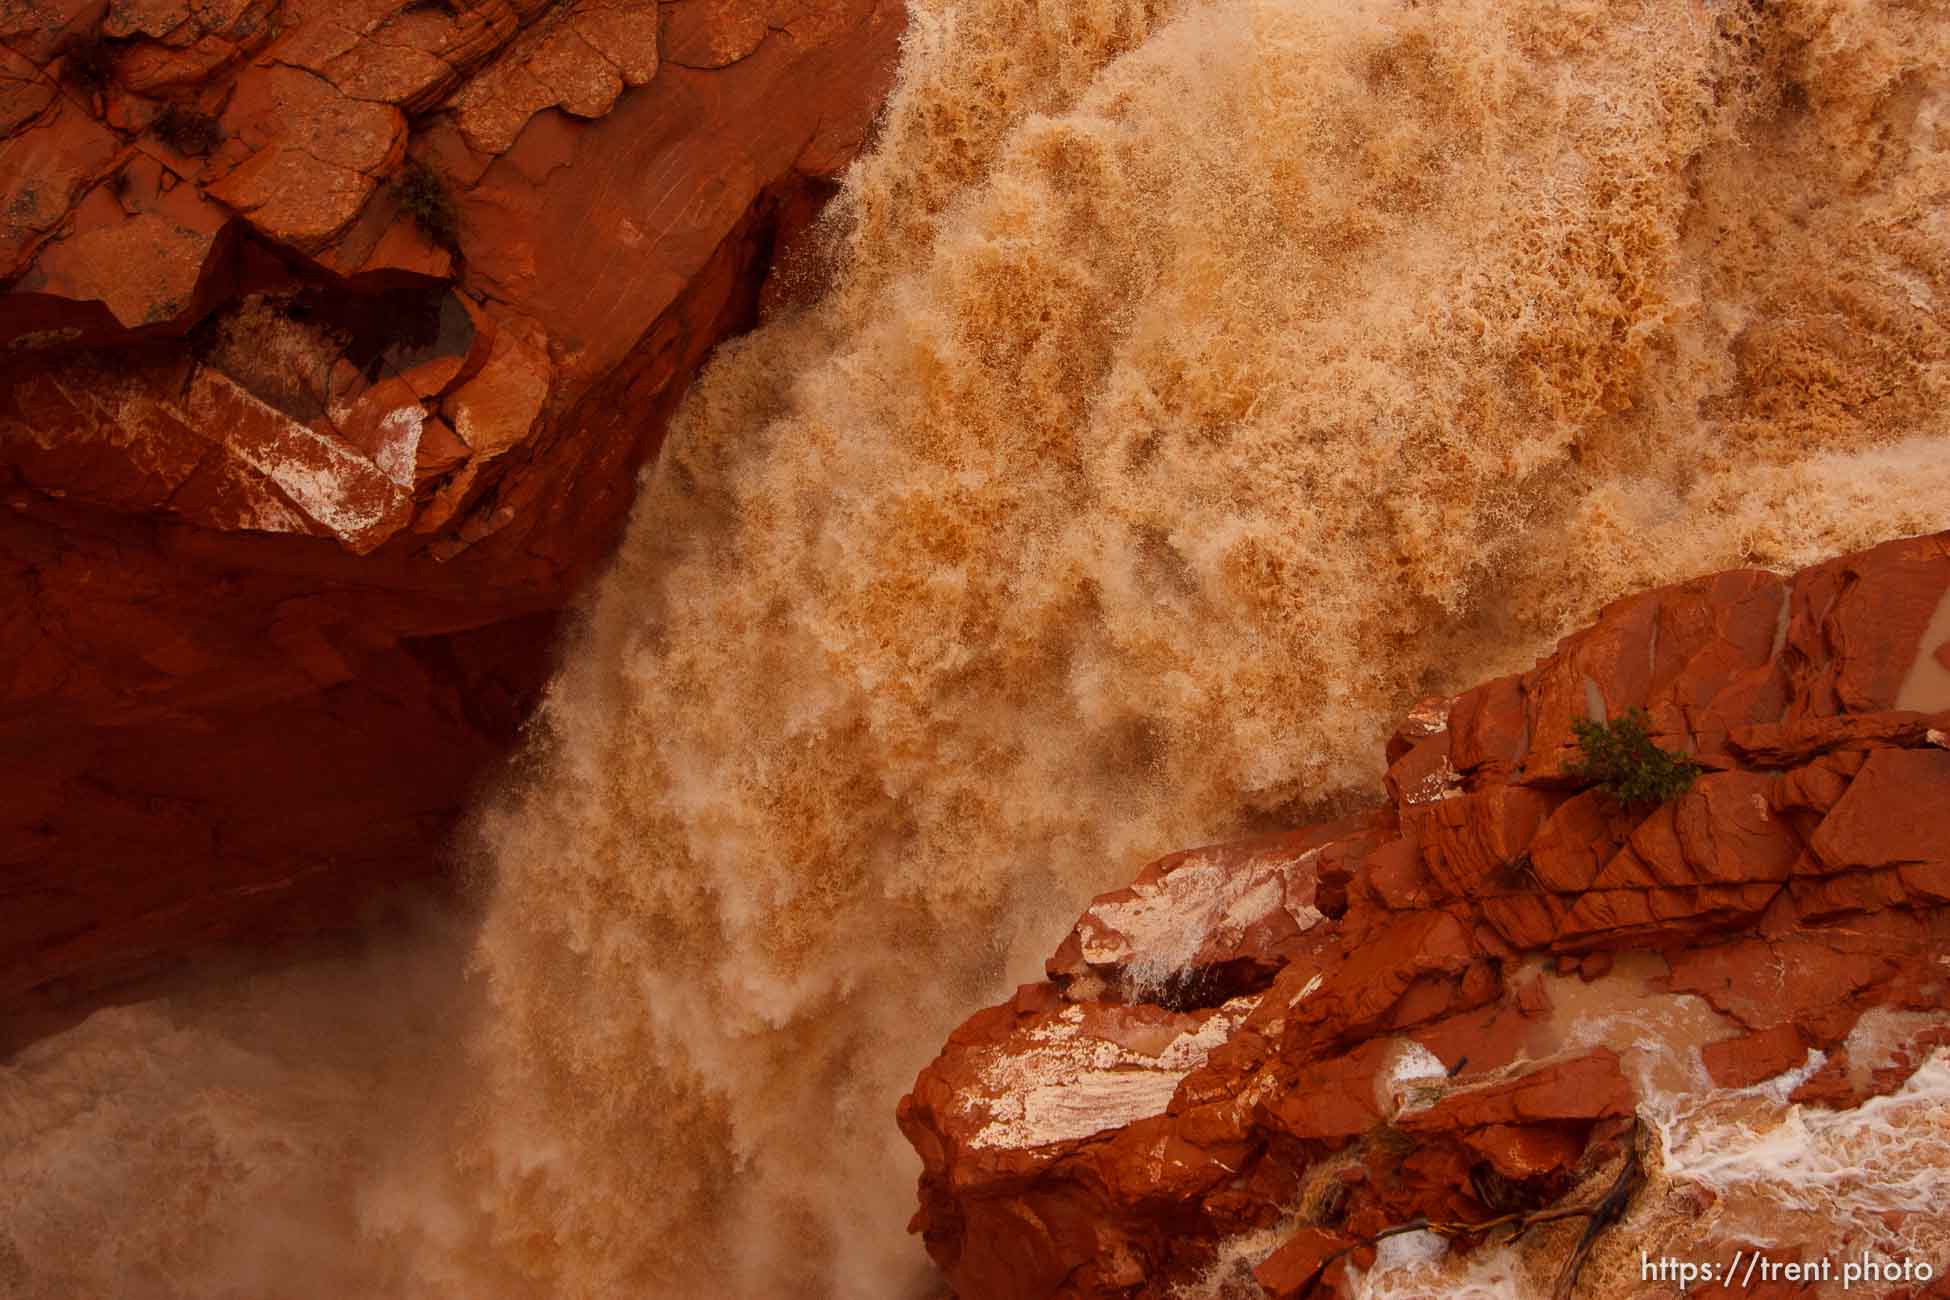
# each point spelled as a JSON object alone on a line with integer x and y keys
{"x": 1373, "y": 1050}
{"x": 332, "y": 338}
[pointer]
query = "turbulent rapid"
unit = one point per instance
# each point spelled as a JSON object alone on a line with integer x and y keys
{"x": 1194, "y": 385}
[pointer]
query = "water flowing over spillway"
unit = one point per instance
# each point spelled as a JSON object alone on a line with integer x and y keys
{"x": 1197, "y": 384}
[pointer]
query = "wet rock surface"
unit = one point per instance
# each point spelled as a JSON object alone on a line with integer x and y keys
{"x": 1504, "y": 1000}
{"x": 300, "y": 456}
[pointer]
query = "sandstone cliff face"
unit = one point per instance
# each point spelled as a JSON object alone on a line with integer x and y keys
{"x": 297, "y": 462}
{"x": 1501, "y": 993}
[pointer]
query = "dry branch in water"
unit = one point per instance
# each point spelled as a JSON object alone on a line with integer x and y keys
{"x": 1605, "y": 1212}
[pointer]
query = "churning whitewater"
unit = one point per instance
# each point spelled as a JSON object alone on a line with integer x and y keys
{"x": 1195, "y": 385}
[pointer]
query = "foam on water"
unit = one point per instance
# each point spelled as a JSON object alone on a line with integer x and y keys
{"x": 1200, "y": 384}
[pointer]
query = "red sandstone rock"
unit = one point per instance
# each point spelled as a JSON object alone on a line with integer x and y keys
{"x": 1744, "y": 1061}
{"x": 1525, "y": 1151}
{"x": 1427, "y": 720}
{"x": 1469, "y": 842}
{"x": 1588, "y": 1087}
{"x": 1223, "y": 915}
{"x": 1426, "y": 1042}
{"x": 1893, "y": 814}
{"x": 1289, "y": 1272}
{"x": 290, "y": 491}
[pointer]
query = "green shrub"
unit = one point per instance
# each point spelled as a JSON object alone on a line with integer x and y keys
{"x": 1620, "y": 756}
{"x": 422, "y": 195}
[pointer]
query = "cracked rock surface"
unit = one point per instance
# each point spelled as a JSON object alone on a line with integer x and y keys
{"x": 332, "y": 337}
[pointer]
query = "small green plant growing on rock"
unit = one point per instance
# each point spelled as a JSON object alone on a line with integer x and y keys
{"x": 1620, "y": 756}
{"x": 422, "y": 195}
